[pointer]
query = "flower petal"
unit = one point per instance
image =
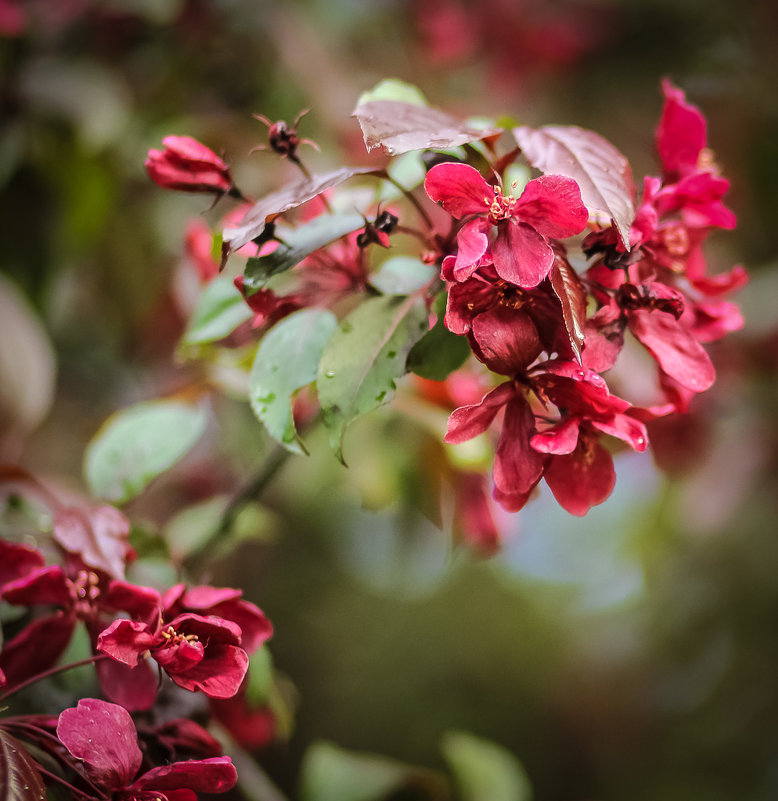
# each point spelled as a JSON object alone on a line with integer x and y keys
{"x": 521, "y": 255}
{"x": 459, "y": 188}
{"x": 467, "y": 422}
{"x": 552, "y": 205}
{"x": 581, "y": 479}
{"x": 104, "y": 736}
{"x": 517, "y": 467}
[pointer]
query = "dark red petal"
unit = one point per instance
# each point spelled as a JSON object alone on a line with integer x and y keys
{"x": 473, "y": 518}
{"x": 135, "y": 688}
{"x": 254, "y": 626}
{"x": 203, "y": 598}
{"x": 214, "y": 775}
{"x": 560, "y": 439}
{"x": 552, "y": 205}
{"x": 507, "y": 339}
{"x": 179, "y": 657}
{"x": 459, "y": 188}
{"x": 467, "y": 422}
{"x": 125, "y": 641}
{"x": 104, "y": 736}
{"x": 46, "y": 586}
{"x": 582, "y": 479}
{"x": 472, "y": 244}
{"x": 521, "y": 255}
{"x": 676, "y": 350}
{"x": 207, "y": 627}
{"x": 512, "y": 501}
{"x": 517, "y": 467}
{"x": 36, "y": 647}
{"x": 219, "y": 674}
{"x": 16, "y": 561}
{"x": 625, "y": 428}
{"x": 142, "y": 603}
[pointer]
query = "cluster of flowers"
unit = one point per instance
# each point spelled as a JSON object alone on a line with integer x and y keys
{"x": 549, "y": 329}
{"x": 501, "y": 296}
{"x": 200, "y": 637}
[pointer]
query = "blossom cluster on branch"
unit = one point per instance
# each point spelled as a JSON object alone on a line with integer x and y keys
{"x": 539, "y": 279}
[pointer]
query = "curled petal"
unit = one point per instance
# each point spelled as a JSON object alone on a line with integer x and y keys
{"x": 214, "y": 775}
{"x": 125, "y": 641}
{"x": 467, "y": 422}
{"x": 559, "y": 439}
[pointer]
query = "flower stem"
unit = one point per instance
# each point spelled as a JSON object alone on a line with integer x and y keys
{"x": 51, "y": 672}
{"x": 413, "y": 200}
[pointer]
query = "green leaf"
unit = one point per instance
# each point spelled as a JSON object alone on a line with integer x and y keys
{"x": 402, "y": 275}
{"x": 364, "y": 357}
{"x": 299, "y": 243}
{"x": 191, "y": 529}
{"x": 393, "y": 89}
{"x": 287, "y": 359}
{"x": 220, "y": 310}
{"x": 439, "y": 352}
{"x": 485, "y": 771}
{"x": 138, "y": 443}
{"x": 330, "y": 773}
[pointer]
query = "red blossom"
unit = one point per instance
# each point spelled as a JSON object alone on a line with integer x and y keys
{"x": 549, "y": 207}
{"x": 103, "y": 737}
{"x": 197, "y": 652}
{"x": 188, "y": 166}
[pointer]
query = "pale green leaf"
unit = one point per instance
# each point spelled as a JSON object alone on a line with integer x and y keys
{"x": 287, "y": 359}
{"x": 364, "y": 358}
{"x": 138, "y": 443}
{"x": 220, "y": 310}
{"x": 485, "y": 771}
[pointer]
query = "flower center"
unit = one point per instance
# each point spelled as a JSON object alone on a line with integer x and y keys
{"x": 172, "y": 637}
{"x": 509, "y": 295}
{"x": 86, "y": 588}
{"x": 500, "y": 207}
{"x": 676, "y": 240}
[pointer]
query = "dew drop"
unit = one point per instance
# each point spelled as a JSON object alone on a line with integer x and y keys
{"x": 329, "y": 374}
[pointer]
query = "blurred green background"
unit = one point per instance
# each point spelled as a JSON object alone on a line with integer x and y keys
{"x": 631, "y": 654}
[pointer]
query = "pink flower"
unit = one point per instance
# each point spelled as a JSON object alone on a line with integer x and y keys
{"x": 549, "y": 207}
{"x": 223, "y": 602}
{"x": 188, "y": 166}
{"x": 103, "y": 737}
{"x": 197, "y": 652}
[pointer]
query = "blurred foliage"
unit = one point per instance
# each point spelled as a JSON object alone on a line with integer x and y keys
{"x": 631, "y": 654}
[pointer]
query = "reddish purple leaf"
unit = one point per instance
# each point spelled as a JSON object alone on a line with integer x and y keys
{"x": 397, "y": 127}
{"x": 568, "y": 288}
{"x": 289, "y": 197}
{"x": 20, "y": 779}
{"x": 100, "y": 536}
{"x": 601, "y": 171}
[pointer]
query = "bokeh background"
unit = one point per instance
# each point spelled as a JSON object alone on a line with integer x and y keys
{"x": 630, "y": 654}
